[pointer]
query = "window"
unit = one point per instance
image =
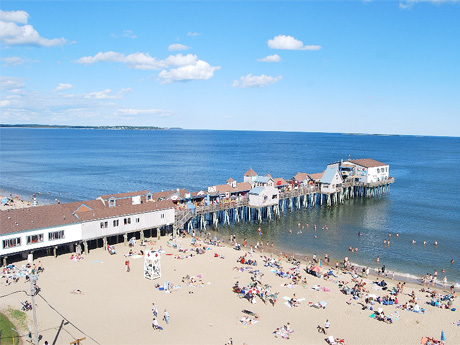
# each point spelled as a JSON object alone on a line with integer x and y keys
{"x": 56, "y": 235}
{"x": 35, "y": 239}
{"x": 162, "y": 216}
{"x": 116, "y": 222}
{"x": 378, "y": 170}
{"x": 127, "y": 221}
{"x": 138, "y": 220}
{"x": 12, "y": 242}
{"x": 104, "y": 225}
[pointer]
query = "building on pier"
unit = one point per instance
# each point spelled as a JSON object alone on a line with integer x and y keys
{"x": 331, "y": 181}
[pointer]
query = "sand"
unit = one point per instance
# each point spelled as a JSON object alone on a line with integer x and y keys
{"x": 115, "y": 305}
{"x": 17, "y": 202}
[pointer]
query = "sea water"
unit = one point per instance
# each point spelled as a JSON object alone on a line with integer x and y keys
{"x": 424, "y": 203}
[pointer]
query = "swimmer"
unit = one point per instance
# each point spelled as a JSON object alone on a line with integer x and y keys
{"x": 413, "y": 241}
{"x": 389, "y": 234}
{"x": 388, "y": 242}
{"x": 315, "y": 236}
{"x": 452, "y": 261}
{"x": 356, "y": 249}
{"x": 424, "y": 243}
{"x": 384, "y": 242}
{"x": 397, "y": 234}
{"x": 378, "y": 259}
{"x": 290, "y": 231}
{"x": 435, "y": 243}
{"x": 360, "y": 233}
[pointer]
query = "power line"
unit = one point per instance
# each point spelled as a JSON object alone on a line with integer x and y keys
{"x": 43, "y": 298}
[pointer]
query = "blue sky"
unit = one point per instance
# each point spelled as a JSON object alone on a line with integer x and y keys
{"x": 389, "y": 67}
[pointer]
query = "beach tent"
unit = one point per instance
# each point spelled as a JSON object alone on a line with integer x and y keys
{"x": 152, "y": 265}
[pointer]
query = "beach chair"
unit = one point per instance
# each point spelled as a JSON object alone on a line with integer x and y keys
{"x": 331, "y": 340}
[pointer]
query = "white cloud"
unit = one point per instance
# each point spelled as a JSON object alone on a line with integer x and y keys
{"x": 271, "y": 58}
{"x": 200, "y": 70}
{"x": 20, "y": 17}
{"x": 11, "y": 83}
{"x": 137, "y": 112}
{"x": 193, "y": 34}
{"x": 12, "y": 61}
{"x": 13, "y": 34}
{"x": 5, "y": 102}
{"x": 177, "y": 46}
{"x": 405, "y": 4}
{"x": 129, "y": 34}
{"x": 135, "y": 60}
{"x": 255, "y": 81}
{"x": 106, "y": 94}
{"x": 189, "y": 67}
{"x": 62, "y": 87}
{"x": 289, "y": 43}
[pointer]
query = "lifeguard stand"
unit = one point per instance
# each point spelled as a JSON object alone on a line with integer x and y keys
{"x": 152, "y": 265}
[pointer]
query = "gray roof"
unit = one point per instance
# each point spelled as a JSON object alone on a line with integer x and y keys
{"x": 262, "y": 179}
{"x": 256, "y": 190}
{"x": 328, "y": 175}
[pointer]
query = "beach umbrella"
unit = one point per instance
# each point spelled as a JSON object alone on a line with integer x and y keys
{"x": 443, "y": 336}
{"x": 316, "y": 269}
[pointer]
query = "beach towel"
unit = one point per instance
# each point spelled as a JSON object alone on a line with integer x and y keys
{"x": 325, "y": 289}
{"x": 287, "y": 304}
{"x": 394, "y": 316}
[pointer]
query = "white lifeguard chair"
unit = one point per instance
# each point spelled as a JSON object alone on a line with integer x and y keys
{"x": 152, "y": 265}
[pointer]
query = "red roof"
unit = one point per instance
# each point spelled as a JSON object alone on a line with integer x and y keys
{"x": 367, "y": 163}
{"x": 279, "y": 181}
{"x": 300, "y": 176}
{"x": 317, "y": 176}
{"x": 250, "y": 172}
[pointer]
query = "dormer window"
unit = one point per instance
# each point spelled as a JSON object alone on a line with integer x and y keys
{"x": 112, "y": 202}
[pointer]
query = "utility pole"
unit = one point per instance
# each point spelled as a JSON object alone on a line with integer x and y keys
{"x": 33, "y": 279}
{"x": 77, "y": 342}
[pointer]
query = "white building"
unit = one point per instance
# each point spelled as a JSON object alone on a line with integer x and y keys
{"x": 263, "y": 196}
{"x": 369, "y": 170}
{"x": 331, "y": 181}
{"x": 23, "y": 231}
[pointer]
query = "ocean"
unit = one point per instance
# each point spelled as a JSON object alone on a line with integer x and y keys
{"x": 424, "y": 203}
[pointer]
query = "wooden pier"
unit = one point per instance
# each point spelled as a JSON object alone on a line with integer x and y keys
{"x": 300, "y": 198}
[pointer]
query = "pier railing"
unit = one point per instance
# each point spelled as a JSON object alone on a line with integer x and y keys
{"x": 222, "y": 206}
{"x": 368, "y": 184}
{"x": 298, "y": 192}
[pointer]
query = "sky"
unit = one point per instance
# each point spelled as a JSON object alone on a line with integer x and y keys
{"x": 378, "y": 67}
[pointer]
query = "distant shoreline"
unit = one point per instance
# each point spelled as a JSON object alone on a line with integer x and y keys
{"x": 142, "y": 128}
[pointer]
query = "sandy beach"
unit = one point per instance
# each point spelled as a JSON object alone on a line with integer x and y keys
{"x": 13, "y": 202}
{"x": 115, "y": 306}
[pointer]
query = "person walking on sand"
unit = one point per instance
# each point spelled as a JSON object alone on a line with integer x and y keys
{"x": 166, "y": 316}
{"x": 127, "y": 265}
{"x": 154, "y": 310}
{"x": 327, "y": 324}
